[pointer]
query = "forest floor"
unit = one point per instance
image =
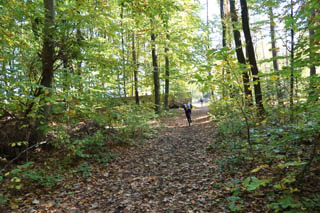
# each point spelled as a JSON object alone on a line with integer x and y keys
{"x": 172, "y": 172}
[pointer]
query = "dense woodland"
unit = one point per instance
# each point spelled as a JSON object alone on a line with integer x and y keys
{"x": 80, "y": 77}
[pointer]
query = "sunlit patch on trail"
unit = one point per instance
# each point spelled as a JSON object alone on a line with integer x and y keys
{"x": 205, "y": 117}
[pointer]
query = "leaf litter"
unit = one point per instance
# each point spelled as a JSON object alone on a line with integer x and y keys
{"x": 170, "y": 173}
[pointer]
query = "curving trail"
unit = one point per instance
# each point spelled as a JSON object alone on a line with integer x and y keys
{"x": 170, "y": 173}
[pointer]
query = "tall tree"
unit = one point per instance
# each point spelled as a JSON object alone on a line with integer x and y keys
{"x": 251, "y": 56}
{"x": 274, "y": 51}
{"x": 291, "y": 58}
{"x": 167, "y": 74}
{"x": 312, "y": 67}
{"x": 224, "y": 33}
{"x": 135, "y": 69}
{"x": 48, "y": 59}
{"x": 48, "y": 44}
{"x": 155, "y": 70}
{"x": 240, "y": 55}
{"x": 223, "y": 24}
{"x": 123, "y": 61}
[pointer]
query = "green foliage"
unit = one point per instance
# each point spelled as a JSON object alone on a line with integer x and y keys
{"x": 93, "y": 70}
{"x": 84, "y": 169}
{"x": 284, "y": 148}
{"x": 134, "y": 122}
{"x": 235, "y": 204}
{"x": 253, "y": 183}
{"x": 312, "y": 202}
{"x": 89, "y": 146}
{"x": 286, "y": 202}
{"x": 210, "y": 148}
{"x": 41, "y": 177}
{"x": 3, "y": 199}
{"x": 23, "y": 176}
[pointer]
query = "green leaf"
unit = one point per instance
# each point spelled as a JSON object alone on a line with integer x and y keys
{"x": 26, "y": 165}
{"x": 253, "y": 183}
{"x": 15, "y": 171}
{"x": 18, "y": 186}
{"x": 246, "y": 182}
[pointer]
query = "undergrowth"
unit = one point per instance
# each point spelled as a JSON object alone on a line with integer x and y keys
{"x": 274, "y": 157}
{"x": 78, "y": 143}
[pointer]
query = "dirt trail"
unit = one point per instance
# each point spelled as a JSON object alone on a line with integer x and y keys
{"x": 171, "y": 173}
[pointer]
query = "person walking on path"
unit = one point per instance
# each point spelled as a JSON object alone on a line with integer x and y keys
{"x": 188, "y": 109}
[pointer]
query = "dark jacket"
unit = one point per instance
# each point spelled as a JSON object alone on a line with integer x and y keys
{"x": 187, "y": 108}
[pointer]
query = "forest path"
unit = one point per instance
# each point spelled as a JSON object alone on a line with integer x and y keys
{"x": 170, "y": 173}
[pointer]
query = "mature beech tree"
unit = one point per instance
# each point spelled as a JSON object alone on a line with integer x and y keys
{"x": 292, "y": 68}
{"x": 48, "y": 44}
{"x": 167, "y": 74}
{"x": 313, "y": 74}
{"x": 223, "y": 24}
{"x": 155, "y": 71}
{"x": 251, "y": 56}
{"x": 240, "y": 55}
{"x": 274, "y": 51}
{"x": 135, "y": 69}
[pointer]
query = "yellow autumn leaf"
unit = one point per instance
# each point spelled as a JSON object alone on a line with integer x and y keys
{"x": 294, "y": 189}
{"x": 298, "y": 159}
{"x": 280, "y": 186}
{"x": 274, "y": 77}
{"x": 15, "y": 179}
{"x": 13, "y": 204}
{"x": 259, "y": 168}
{"x": 232, "y": 63}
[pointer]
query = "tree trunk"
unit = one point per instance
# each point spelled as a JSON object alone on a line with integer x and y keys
{"x": 135, "y": 70}
{"x": 291, "y": 62}
{"x": 156, "y": 79}
{"x": 274, "y": 54}
{"x": 251, "y": 56}
{"x": 47, "y": 69}
{"x": 123, "y": 54}
{"x": 224, "y": 38}
{"x": 240, "y": 55}
{"x": 312, "y": 94}
{"x": 79, "y": 61}
{"x": 166, "y": 92}
{"x": 224, "y": 28}
{"x": 48, "y": 44}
